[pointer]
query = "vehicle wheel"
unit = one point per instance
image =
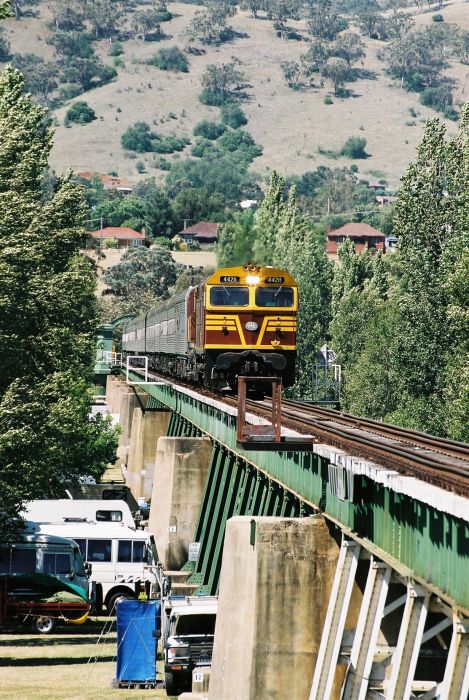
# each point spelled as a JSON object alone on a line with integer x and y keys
{"x": 44, "y": 624}
{"x": 111, "y": 602}
{"x": 172, "y": 688}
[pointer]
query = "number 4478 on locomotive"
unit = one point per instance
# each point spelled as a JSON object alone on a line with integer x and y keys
{"x": 241, "y": 321}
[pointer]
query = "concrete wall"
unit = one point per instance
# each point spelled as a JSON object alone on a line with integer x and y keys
{"x": 147, "y": 428}
{"x": 181, "y": 468}
{"x": 273, "y": 602}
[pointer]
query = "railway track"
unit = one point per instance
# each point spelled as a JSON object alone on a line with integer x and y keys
{"x": 443, "y": 463}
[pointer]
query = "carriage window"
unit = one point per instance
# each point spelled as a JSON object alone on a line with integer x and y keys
{"x": 229, "y": 296}
{"x": 125, "y": 551}
{"x": 274, "y": 296}
{"x": 99, "y": 550}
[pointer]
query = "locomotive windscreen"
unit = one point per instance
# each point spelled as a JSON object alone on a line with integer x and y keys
{"x": 274, "y": 296}
{"x": 229, "y": 296}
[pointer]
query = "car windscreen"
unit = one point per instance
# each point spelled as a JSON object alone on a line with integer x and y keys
{"x": 229, "y": 296}
{"x": 274, "y": 296}
{"x": 195, "y": 624}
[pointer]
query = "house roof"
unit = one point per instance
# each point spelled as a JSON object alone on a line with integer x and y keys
{"x": 121, "y": 233}
{"x": 204, "y": 228}
{"x": 109, "y": 181}
{"x": 356, "y": 231}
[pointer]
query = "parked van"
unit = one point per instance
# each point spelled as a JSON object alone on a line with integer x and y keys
{"x": 34, "y": 568}
{"x": 121, "y": 557}
{"x": 62, "y": 510}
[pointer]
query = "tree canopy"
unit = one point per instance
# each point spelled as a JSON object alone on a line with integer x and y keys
{"x": 47, "y": 319}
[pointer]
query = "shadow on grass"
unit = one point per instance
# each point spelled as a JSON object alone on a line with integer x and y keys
{"x": 57, "y": 661}
{"x": 47, "y": 641}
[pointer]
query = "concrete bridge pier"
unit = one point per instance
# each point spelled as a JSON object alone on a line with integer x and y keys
{"x": 276, "y": 579}
{"x": 147, "y": 427}
{"x": 115, "y": 386}
{"x": 180, "y": 475}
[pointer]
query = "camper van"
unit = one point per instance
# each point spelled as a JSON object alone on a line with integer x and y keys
{"x": 62, "y": 510}
{"x": 121, "y": 557}
{"x": 34, "y": 568}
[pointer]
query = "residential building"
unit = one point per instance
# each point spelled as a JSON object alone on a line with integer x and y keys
{"x": 363, "y": 235}
{"x": 126, "y": 237}
{"x": 203, "y": 232}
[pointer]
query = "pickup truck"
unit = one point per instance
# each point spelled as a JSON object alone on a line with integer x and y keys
{"x": 188, "y": 630}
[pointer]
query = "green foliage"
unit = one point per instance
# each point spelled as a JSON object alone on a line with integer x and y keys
{"x": 47, "y": 315}
{"x": 324, "y": 22}
{"x": 441, "y": 99}
{"x": 221, "y": 84}
{"x": 338, "y": 72}
{"x": 4, "y": 46}
{"x": 209, "y": 130}
{"x": 140, "y": 166}
{"x": 116, "y": 49}
{"x": 209, "y": 26}
{"x": 141, "y": 139}
{"x": 268, "y": 218}
{"x": 400, "y": 323}
{"x": 88, "y": 72}
{"x": 81, "y": 113}
{"x": 350, "y": 47}
{"x": 438, "y": 18}
{"x": 137, "y": 138}
{"x": 171, "y": 58}
{"x": 232, "y": 115}
{"x": 142, "y": 271}
{"x": 236, "y": 240}
{"x": 354, "y": 147}
{"x": 40, "y": 77}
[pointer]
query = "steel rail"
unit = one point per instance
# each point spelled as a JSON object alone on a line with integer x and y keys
{"x": 444, "y": 446}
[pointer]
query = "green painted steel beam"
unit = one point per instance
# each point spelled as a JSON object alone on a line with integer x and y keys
{"x": 415, "y": 538}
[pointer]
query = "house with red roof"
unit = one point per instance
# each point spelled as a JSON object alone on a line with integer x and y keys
{"x": 363, "y": 236}
{"x": 203, "y": 232}
{"x": 110, "y": 182}
{"x": 126, "y": 237}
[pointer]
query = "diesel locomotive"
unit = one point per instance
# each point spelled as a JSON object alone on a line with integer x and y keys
{"x": 240, "y": 321}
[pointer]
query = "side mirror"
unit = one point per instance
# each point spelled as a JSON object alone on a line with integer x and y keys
{"x": 157, "y": 634}
{"x": 88, "y": 569}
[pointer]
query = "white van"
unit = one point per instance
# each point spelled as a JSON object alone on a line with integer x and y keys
{"x": 62, "y": 510}
{"x": 121, "y": 557}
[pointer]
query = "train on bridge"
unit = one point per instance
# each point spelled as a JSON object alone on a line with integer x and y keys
{"x": 240, "y": 321}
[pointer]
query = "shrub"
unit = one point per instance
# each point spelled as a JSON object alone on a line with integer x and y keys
{"x": 354, "y": 147}
{"x": 162, "y": 242}
{"x": 168, "y": 144}
{"x": 116, "y": 49}
{"x": 171, "y": 58}
{"x": 71, "y": 90}
{"x": 212, "y": 98}
{"x": 328, "y": 100}
{"x": 137, "y": 138}
{"x": 140, "y": 166}
{"x": 232, "y": 115}
{"x": 110, "y": 243}
{"x": 441, "y": 99}
{"x": 81, "y": 113}
{"x": 162, "y": 164}
{"x": 354, "y": 168}
{"x": 438, "y": 18}
{"x": 209, "y": 130}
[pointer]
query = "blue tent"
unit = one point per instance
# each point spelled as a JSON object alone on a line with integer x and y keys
{"x": 136, "y": 643}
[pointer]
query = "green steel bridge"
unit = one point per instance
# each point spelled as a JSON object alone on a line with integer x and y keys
{"x": 408, "y": 531}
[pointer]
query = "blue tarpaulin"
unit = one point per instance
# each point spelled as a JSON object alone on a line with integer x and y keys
{"x": 136, "y": 643}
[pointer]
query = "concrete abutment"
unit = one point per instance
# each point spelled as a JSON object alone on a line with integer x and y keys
{"x": 181, "y": 469}
{"x": 275, "y": 585}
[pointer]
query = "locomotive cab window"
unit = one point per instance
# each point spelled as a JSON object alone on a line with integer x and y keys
{"x": 229, "y": 296}
{"x": 274, "y": 296}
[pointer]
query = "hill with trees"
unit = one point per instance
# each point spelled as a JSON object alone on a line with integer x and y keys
{"x": 307, "y": 75}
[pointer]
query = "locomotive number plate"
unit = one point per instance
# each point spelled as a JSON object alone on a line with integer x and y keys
{"x": 229, "y": 278}
{"x": 274, "y": 280}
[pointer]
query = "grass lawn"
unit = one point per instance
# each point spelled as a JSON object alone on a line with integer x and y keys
{"x": 69, "y": 665}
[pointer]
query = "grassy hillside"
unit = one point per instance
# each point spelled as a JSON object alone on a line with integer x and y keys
{"x": 290, "y": 125}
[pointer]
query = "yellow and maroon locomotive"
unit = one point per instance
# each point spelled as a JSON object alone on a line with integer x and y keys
{"x": 240, "y": 321}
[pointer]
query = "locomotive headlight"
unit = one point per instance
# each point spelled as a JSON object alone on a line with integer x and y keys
{"x": 251, "y": 326}
{"x": 252, "y": 279}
